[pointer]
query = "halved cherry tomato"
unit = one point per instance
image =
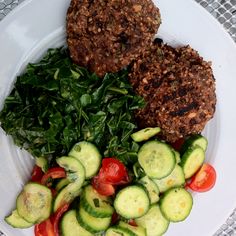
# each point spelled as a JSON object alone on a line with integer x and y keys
{"x": 45, "y": 228}
{"x": 54, "y": 192}
{"x": 102, "y": 188}
{"x": 55, "y": 218}
{"x": 113, "y": 172}
{"x": 115, "y": 218}
{"x": 177, "y": 145}
{"x": 53, "y": 173}
{"x": 37, "y": 174}
{"x": 204, "y": 179}
{"x": 132, "y": 222}
{"x": 105, "y": 179}
{"x": 50, "y": 227}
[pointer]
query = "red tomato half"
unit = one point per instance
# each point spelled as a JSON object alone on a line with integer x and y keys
{"x": 45, "y": 228}
{"x": 37, "y": 174}
{"x": 113, "y": 172}
{"x": 102, "y": 188}
{"x": 132, "y": 222}
{"x": 115, "y": 218}
{"x": 50, "y": 227}
{"x": 204, "y": 179}
{"x": 53, "y": 173}
{"x": 54, "y": 192}
{"x": 57, "y": 216}
{"x": 177, "y": 145}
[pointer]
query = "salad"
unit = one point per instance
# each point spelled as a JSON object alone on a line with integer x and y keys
{"x": 96, "y": 173}
{"x": 67, "y": 200}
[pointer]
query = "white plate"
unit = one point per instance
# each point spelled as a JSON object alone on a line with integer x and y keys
{"x": 34, "y": 26}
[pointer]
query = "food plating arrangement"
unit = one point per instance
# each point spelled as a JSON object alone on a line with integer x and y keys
{"x": 114, "y": 120}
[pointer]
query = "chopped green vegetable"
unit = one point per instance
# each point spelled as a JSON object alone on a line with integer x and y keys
{"x": 56, "y": 103}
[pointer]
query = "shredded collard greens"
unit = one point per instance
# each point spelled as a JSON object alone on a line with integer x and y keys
{"x": 56, "y": 103}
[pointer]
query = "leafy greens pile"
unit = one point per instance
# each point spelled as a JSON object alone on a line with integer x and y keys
{"x": 56, "y": 103}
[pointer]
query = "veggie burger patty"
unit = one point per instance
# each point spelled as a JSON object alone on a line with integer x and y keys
{"x": 105, "y": 36}
{"x": 179, "y": 88}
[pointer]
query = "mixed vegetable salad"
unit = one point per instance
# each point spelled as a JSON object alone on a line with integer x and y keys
{"x": 95, "y": 172}
{"x": 86, "y": 194}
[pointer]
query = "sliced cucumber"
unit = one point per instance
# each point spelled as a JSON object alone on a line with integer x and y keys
{"x": 132, "y": 202}
{"x": 66, "y": 195}
{"x": 96, "y": 204}
{"x": 154, "y": 222}
{"x": 157, "y": 159}
{"x": 145, "y": 134}
{"x": 137, "y": 230}
{"x": 177, "y": 156}
{"x": 193, "y": 141}
{"x": 34, "y": 203}
{"x": 42, "y": 162}
{"x": 152, "y": 189}
{"x": 71, "y": 227}
{"x": 76, "y": 174}
{"x": 61, "y": 184}
{"x": 74, "y": 169}
{"x": 175, "y": 179}
{"x": 88, "y": 154}
{"x": 119, "y": 231}
{"x": 17, "y": 222}
{"x": 192, "y": 160}
{"x": 91, "y": 223}
{"x": 176, "y": 204}
{"x": 138, "y": 170}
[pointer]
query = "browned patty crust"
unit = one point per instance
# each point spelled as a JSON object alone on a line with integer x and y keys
{"x": 179, "y": 88}
{"x": 106, "y": 35}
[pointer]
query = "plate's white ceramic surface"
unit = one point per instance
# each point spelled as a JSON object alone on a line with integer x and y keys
{"x": 34, "y": 26}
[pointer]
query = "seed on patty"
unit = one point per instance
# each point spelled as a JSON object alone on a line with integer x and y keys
{"x": 105, "y": 36}
{"x": 179, "y": 88}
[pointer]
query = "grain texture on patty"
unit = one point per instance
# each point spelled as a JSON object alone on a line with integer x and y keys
{"x": 105, "y": 36}
{"x": 179, "y": 88}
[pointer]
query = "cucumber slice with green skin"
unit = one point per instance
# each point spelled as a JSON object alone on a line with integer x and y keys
{"x": 145, "y": 134}
{"x": 157, "y": 159}
{"x": 75, "y": 174}
{"x": 137, "y": 230}
{"x": 193, "y": 141}
{"x": 74, "y": 169}
{"x": 71, "y": 227}
{"x": 132, "y": 202}
{"x": 34, "y": 203}
{"x": 88, "y": 154}
{"x": 91, "y": 223}
{"x": 192, "y": 160}
{"x": 42, "y": 162}
{"x": 17, "y": 222}
{"x": 175, "y": 179}
{"x": 66, "y": 195}
{"x": 138, "y": 170}
{"x": 96, "y": 204}
{"x": 177, "y": 156}
{"x": 61, "y": 184}
{"x": 152, "y": 189}
{"x": 176, "y": 204}
{"x": 64, "y": 182}
{"x": 119, "y": 231}
{"x": 154, "y": 222}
